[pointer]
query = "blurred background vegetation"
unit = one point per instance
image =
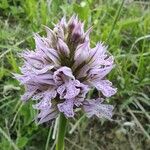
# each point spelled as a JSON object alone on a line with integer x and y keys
{"x": 125, "y": 28}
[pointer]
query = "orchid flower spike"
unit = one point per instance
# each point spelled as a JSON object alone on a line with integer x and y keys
{"x": 62, "y": 70}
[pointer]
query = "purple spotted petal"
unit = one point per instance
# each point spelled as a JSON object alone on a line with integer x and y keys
{"x": 95, "y": 107}
{"x": 81, "y": 96}
{"x": 62, "y": 74}
{"x": 67, "y": 107}
{"x": 47, "y": 114}
{"x": 71, "y": 90}
{"x": 105, "y": 86}
{"x": 99, "y": 73}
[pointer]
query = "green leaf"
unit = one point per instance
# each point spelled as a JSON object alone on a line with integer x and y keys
{"x": 22, "y": 141}
{"x": 4, "y": 4}
{"x": 82, "y": 10}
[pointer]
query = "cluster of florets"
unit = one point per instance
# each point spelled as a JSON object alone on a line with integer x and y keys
{"x": 63, "y": 69}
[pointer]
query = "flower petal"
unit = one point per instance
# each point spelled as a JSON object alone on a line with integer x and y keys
{"x": 62, "y": 74}
{"x": 47, "y": 114}
{"x": 71, "y": 90}
{"x": 62, "y": 47}
{"x": 105, "y": 86}
{"x": 81, "y": 55}
{"x": 99, "y": 73}
{"x": 95, "y": 107}
{"x": 66, "y": 107}
{"x": 27, "y": 95}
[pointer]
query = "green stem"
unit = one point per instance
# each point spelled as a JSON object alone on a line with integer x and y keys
{"x": 61, "y": 132}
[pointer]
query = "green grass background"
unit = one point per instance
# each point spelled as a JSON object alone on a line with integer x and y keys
{"x": 125, "y": 27}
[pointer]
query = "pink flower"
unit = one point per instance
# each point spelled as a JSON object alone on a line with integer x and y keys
{"x": 63, "y": 69}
